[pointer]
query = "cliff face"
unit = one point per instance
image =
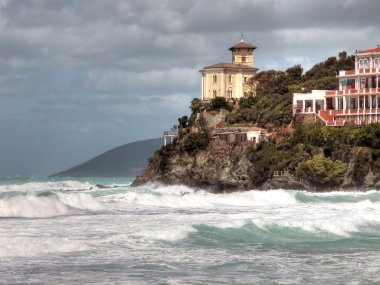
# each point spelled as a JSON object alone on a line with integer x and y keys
{"x": 224, "y": 168}
{"x": 230, "y": 168}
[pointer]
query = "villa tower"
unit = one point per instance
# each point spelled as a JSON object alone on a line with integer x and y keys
{"x": 231, "y": 80}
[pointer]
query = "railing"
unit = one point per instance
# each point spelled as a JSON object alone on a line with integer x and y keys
{"x": 359, "y": 71}
{"x": 305, "y": 110}
{"x": 368, "y": 70}
{"x": 170, "y": 133}
{"x": 297, "y": 179}
{"x": 354, "y": 92}
{"x": 278, "y": 173}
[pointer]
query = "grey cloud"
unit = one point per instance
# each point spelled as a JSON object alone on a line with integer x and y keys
{"x": 80, "y": 77}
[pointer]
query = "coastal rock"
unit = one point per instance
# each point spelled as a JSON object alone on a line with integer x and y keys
{"x": 230, "y": 167}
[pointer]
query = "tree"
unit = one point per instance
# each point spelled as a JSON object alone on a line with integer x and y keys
{"x": 220, "y": 103}
{"x": 196, "y": 105}
{"x": 322, "y": 171}
{"x": 194, "y": 142}
{"x": 295, "y": 72}
{"x": 183, "y": 121}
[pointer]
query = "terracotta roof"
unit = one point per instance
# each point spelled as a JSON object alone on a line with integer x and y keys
{"x": 229, "y": 66}
{"x": 242, "y": 45}
{"x": 372, "y": 50}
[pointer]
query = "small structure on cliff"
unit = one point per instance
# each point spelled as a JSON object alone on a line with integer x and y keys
{"x": 231, "y": 80}
{"x": 240, "y": 136}
{"x": 169, "y": 136}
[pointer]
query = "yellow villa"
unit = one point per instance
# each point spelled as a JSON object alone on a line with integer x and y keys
{"x": 231, "y": 80}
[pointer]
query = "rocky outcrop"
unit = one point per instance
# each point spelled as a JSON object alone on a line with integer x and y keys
{"x": 218, "y": 169}
{"x": 227, "y": 168}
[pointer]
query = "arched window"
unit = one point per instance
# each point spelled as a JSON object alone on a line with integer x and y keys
{"x": 361, "y": 63}
{"x": 366, "y": 65}
{"x": 376, "y": 63}
{"x": 229, "y": 93}
{"x": 214, "y": 93}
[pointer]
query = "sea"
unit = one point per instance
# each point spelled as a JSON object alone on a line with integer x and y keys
{"x": 102, "y": 231}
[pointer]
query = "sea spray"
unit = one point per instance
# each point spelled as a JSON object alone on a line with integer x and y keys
{"x": 46, "y": 204}
{"x": 152, "y": 233}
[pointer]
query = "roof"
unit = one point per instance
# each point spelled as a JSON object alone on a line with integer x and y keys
{"x": 372, "y": 50}
{"x": 230, "y": 66}
{"x": 243, "y": 44}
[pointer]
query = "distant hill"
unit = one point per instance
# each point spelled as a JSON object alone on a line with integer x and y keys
{"x": 123, "y": 161}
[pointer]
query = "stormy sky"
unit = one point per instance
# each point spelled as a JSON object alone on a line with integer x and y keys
{"x": 78, "y": 77}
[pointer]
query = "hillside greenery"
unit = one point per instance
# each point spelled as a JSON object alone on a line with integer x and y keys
{"x": 272, "y": 105}
{"x": 326, "y": 157}
{"x": 321, "y": 154}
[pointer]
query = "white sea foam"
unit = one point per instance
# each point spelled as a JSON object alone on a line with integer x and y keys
{"x": 169, "y": 234}
{"x": 338, "y": 219}
{"x": 51, "y": 185}
{"x": 32, "y": 205}
{"x": 31, "y": 246}
{"x": 184, "y": 197}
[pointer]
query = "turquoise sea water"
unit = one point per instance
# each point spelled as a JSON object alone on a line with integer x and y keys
{"x": 70, "y": 231}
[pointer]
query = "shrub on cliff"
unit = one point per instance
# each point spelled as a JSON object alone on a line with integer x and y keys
{"x": 220, "y": 103}
{"x": 322, "y": 171}
{"x": 362, "y": 163}
{"x": 194, "y": 142}
{"x": 197, "y": 105}
{"x": 264, "y": 160}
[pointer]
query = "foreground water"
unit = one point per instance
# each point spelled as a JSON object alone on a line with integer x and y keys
{"x": 71, "y": 231}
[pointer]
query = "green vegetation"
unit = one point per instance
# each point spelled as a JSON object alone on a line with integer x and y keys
{"x": 325, "y": 157}
{"x": 362, "y": 163}
{"x": 195, "y": 142}
{"x": 321, "y": 155}
{"x": 183, "y": 121}
{"x": 272, "y": 105}
{"x": 220, "y": 103}
{"x": 322, "y": 171}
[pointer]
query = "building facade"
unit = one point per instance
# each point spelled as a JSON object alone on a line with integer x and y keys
{"x": 231, "y": 80}
{"x": 357, "y": 100}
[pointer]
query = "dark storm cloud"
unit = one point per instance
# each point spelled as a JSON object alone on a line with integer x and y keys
{"x": 80, "y": 77}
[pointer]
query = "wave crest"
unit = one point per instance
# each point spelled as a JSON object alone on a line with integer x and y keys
{"x": 35, "y": 205}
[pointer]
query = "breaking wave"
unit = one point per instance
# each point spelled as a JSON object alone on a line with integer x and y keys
{"x": 50, "y": 185}
{"x": 185, "y": 197}
{"x": 46, "y": 204}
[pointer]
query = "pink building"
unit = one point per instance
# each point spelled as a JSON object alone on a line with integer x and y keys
{"x": 357, "y": 100}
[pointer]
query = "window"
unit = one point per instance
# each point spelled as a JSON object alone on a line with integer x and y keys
{"x": 230, "y": 78}
{"x": 363, "y": 63}
{"x": 366, "y": 63}
{"x": 243, "y": 58}
{"x": 245, "y": 79}
{"x": 214, "y": 93}
{"x": 229, "y": 93}
{"x": 376, "y": 63}
{"x": 214, "y": 78}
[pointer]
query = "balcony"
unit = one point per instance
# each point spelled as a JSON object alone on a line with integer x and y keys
{"x": 364, "y": 71}
{"x": 346, "y": 72}
{"x": 344, "y": 117}
{"x": 367, "y": 91}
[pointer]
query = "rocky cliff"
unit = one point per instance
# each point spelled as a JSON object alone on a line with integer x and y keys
{"x": 285, "y": 165}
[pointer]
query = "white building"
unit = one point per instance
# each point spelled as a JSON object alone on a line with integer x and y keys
{"x": 356, "y": 101}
